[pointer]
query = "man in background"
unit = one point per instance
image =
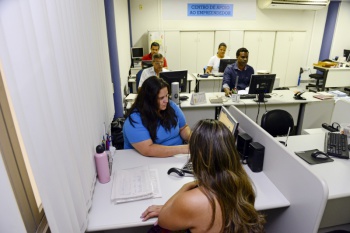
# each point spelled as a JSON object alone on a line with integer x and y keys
{"x": 154, "y": 49}
{"x": 239, "y": 70}
{"x": 158, "y": 63}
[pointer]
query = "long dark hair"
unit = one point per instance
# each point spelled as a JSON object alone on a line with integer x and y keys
{"x": 146, "y": 104}
{"x": 220, "y": 176}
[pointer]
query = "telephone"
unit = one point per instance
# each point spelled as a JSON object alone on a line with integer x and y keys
{"x": 298, "y": 96}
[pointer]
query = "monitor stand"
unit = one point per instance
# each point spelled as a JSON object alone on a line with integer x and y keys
{"x": 261, "y": 98}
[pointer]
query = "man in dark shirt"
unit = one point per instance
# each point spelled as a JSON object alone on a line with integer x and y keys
{"x": 241, "y": 70}
{"x": 154, "y": 49}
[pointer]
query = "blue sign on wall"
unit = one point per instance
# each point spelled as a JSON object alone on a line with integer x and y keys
{"x": 209, "y": 10}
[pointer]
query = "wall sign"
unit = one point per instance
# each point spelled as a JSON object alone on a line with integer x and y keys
{"x": 209, "y": 10}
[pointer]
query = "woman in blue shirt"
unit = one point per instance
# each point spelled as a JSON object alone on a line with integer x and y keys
{"x": 155, "y": 126}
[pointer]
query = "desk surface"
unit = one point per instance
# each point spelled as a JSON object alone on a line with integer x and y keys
{"x": 210, "y": 77}
{"x": 105, "y": 215}
{"x": 336, "y": 174}
{"x": 277, "y": 97}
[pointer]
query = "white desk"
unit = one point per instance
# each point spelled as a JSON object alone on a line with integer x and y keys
{"x": 285, "y": 181}
{"x": 335, "y": 77}
{"x": 280, "y": 99}
{"x": 132, "y": 83}
{"x": 209, "y": 84}
{"x": 336, "y": 174}
{"x": 303, "y": 111}
{"x": 105, "y": 216}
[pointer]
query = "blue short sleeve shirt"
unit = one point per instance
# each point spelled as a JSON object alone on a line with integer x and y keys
{"x": 138, "y": 132}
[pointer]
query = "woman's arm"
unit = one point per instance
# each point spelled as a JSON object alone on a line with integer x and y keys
{"x": 148, "y": 148}
{"x": 185, "y": 132}
{"x": 209, "y": 69}
{"x": 180, "y": 211}
{"x": 154, "y": 210}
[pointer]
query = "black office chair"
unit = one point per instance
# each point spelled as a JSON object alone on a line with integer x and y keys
{"x": 277, "y": 122}
{"x": 319, "y": 77}
{"x": 319, "y": 81}
{"x": 138, "y": 77}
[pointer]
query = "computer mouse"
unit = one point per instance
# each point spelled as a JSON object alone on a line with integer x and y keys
{"x": 176, "y": 170}
{"x": 319, "y": 155}
{"x": 183, "y": 97}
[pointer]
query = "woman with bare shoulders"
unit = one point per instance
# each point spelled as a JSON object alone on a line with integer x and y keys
{"x": 221, "y": 199}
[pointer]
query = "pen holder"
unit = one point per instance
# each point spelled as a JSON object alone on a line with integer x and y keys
{"x": 235, "y": 98}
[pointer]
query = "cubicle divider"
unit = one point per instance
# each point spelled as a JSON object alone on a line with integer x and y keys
{"x": 341, "y": 112}
{"x": 306, "y": 193}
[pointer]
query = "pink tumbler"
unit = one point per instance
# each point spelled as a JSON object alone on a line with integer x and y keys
{"x": 101, "y": 160}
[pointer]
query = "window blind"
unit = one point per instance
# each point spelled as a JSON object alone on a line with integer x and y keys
{"x": 55, "y": 62}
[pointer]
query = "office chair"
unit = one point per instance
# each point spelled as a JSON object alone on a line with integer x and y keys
{"x": 277, "y": 122}
{"x": 319, "y": 76}
{"x": 138, "y": 77}
{"x": 319, "y": 81}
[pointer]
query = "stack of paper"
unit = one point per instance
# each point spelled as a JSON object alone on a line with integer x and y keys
{"x": 338, "y": 93}
{"x": 323, "y": 96}
{"x": 135, "y": 184}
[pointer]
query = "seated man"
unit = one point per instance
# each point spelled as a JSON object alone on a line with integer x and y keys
{"x": 157, "y": 62}
{"x": 154, "y": 49}
{"x": 241, "y": 70}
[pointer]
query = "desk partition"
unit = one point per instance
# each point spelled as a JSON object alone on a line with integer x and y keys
{"x": 306, "y": 192}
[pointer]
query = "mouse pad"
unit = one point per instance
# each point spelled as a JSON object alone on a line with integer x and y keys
{"x": 306, "y": 155}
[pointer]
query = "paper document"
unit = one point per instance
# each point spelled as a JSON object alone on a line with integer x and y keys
{"x": 135, "y": 184}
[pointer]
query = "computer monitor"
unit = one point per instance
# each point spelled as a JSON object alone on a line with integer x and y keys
{"x": 261, "y": 84}
{"x": 179, "y": 76}
{"x": 224, "y": 63}
{"x": 136, "y": 53}
{"x": 146, "y": 64}
{"x": 347, "y": 54}
{"x": 228, "y": 120}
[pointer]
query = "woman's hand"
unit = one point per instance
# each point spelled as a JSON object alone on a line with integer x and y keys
{"x": 151, "y": 212}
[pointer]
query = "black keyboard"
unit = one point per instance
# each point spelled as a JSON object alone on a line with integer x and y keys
{"x": 188, "y": 166}
{"x": 252, "y": 96}
{"x": 337, "y": 145}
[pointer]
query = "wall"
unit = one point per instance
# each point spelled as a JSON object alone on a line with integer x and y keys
{"x": 150, "y": 18}
{"x": 341, "y": 38}
{"x": 10, "y": 217}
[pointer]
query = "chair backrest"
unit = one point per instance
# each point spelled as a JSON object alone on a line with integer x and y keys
{"x": 277, "y": 122}
{"x": 138, "y": 76}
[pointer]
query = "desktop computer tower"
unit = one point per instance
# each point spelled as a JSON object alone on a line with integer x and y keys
{"x": 243, "y": 141}
{"x": 175, "y": 92}
{"x": 255, "y": 158}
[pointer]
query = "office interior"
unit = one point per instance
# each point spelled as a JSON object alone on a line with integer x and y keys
{"x": 88, "y": 92}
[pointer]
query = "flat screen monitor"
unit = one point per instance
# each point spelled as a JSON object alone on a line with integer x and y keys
{"x": 229, "y": 121}
{"x": 136, "y": 53}
{"x": 347, "y": 54}
{"x": 179, "y": 76}
{"x": 224, "y": 63}
{"x": 146, "y": 64}
{"x": 261, "y": 84}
